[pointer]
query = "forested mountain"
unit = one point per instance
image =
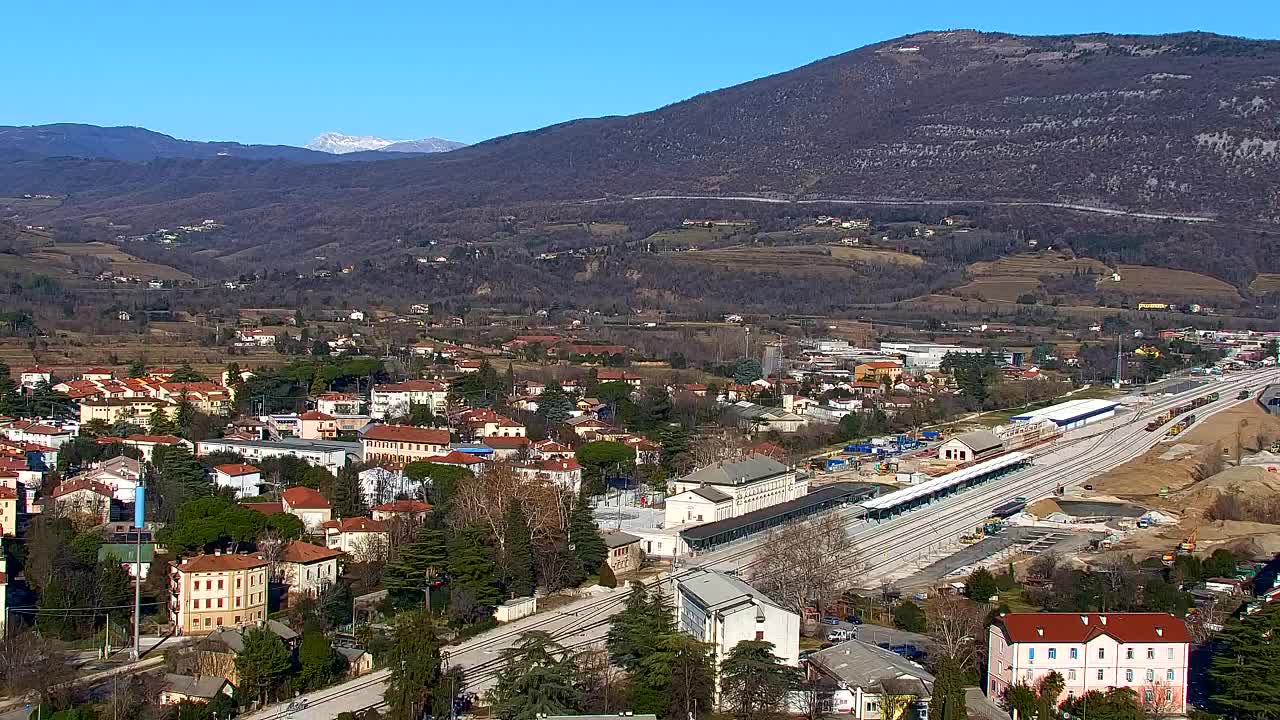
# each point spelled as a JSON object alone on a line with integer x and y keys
{"x": 1181, "y": 124}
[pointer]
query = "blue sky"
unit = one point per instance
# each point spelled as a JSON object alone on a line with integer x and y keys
{"x": 282, "y": 71}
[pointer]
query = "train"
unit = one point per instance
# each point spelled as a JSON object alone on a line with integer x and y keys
{"x": 1158, "y": 421}
{"x": 1010, "y": 508}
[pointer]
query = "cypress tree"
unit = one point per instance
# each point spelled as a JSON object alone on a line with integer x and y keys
{"x": 419, "y": 561}
{"x": 519, "y": 555}
{"x": 347, "y": 497}
{"x": 585, "y": 538}
{"x": 471, "y": 568}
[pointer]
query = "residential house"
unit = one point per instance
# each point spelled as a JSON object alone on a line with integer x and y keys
{"x": 8, "y": 511}
{"x": 647, "y": 451}
{"x": 215, "y": 655}
{"x": 359, "y": 661}
{"x": 33, "y": 376}
{"x": 307, "y": 505}
{"x": 878, "y": 371}
{"x": 544, "y": 449}
{"x": 193, "y": 688}
{"x": 1148, "y": 653}
{"x": 722, "y": 610}
{"x": 357, "y": 536}
{"x": 763, "y": 418}
{"x": 566, "y": 473}
{"x": 260, "y": 337}
{"x": 31, "y": 431}
{"x": 207, "y": 397}
{"x": 610, "y": 375}
{"x": 308, "y": 569}
{"x": 586, "y": 426}
{"x": 397, "y": 399}
{"x": 625, "y": 554}
{"x": 147, "y": 444}
{"x": 83, "y": 497}
{"x": 336, "y": 403}
{"x": 208, "y": 592}
{"x": 315, "y": 425}
{"x": 506, "y": 448}
{"x": 121, "y": 473}
{"x": 854, "y": 677}
{"x": 407, "y": 509}
{"x": 970, "y": 446}
{"x": 246, "y": 479}
{"x": 401, "y": 444}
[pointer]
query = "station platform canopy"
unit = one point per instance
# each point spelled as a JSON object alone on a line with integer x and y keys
{"x": 943, "y": 484}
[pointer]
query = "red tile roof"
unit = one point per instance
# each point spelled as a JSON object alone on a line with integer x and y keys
{"x": 555, "y": 465}
{"x": 315, "y": 415}
{"x": 356, "y": 524}
{"x": 403, "y": 506}
{"x": 220, "y": 563}
{"x": 71, "y": 486}
{"x": 413, "y": 386}
{"x": 304, "y": 498}
{"x": 455, "y": 457}
{"x": 405, "y": 433}
{"x": 154, "y": 439}
{"x": 8, "y": 493}
{"x": 236, "y": 469}
{"x": 1083, "y": 627}
{"x": 301, "y": 552}
{"x": 498, "y": 442}
{"x": 266, "y": 508}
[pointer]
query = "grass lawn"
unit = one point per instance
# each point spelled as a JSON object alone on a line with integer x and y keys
{"x": 1013, "y": 598}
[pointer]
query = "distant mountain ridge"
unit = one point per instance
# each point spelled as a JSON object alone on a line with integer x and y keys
{"x": 340, "y": 144}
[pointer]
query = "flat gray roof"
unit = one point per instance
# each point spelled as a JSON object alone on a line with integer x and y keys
{"x": 736, "y": 472}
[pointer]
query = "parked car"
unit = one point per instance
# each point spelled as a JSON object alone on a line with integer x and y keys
{"x": 921, "y": 596}
{"x": 853, "y": 619}
{"x": 828, "y": 620}
{"x": 839, "y": 635}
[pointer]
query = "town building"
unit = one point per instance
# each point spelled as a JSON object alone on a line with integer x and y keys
{"x": 625, "y": 554}
{"x": 315, "y": 425}
{"x": 925, "y": 356}
{"x": 763, "y": 418}
{"x": 331, "y": 455}
{"x": 970, "y": 446}
{"x": 751, "y": 483}
{"x": 722, "y": 611}
{"x": 854, "y": 677}
{"x": 245, "y": 479}
{"x": 147, "y": 444}
{"x": 878, "y": 371}
{"x": 31, "y": 431}
{"x": 1148, "y": 653}
{"x": 208, "y": 592}
{"x": 402, "y": 444}
{"x": 336, "y": 403}
{"x": 359, "y": 537}
{"x": 193, "y": 688}
{"x": 136, "y": 410}
{"x": 308, "y": 569}
{"x": 8, "y": 511}
{"x": 407, "y": 509}
{"x": 308, "y": 505}
{"x": 121, "y": 473}
{"x": 33, "y": 376}
{"x": 565, "y": 473}
{"x": 84, "y": 498}
{"x": 397, "y": 399}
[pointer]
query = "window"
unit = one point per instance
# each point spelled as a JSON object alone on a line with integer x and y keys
{"x": 1071, "y": 693}
{"x": 238, "y": 583}
{"x": 1102, "y": 653}
{"x": 873, "y": 706}
{"x": 1071, "y": 674}
{"x": 208, "y": 622}
{"x": 237, "y": 619}
{"x": 208, "y": 603}
{"x": 1151, "y": 654}
{"x": 1031, "y": 653}
{"x": 759, "y": 635}
{"x": 1170, "y": 653}
{"x": 238, "y": 602}
{"x": 1029, "y": 675}
{"x": 1168, "y": 693}
{"x": 219, "y": 583}
{"x": 1099, "y": 674}
{"x": 1151, "y": 675}
{"x": 1075, "y": 653}
{"x": 208, "y": 584}
{"x": 219, "y": 602}
{"x": 1168, "y": 674}
{"x": 1128, "y": 654}
{"x": 219, "y": 622}
{"x": 1128, "y": 676}
{"x": 1149, "y": 696}
{"x": 1053, "y": 653}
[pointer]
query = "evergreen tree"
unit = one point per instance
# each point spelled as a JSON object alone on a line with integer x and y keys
{"x": 948, "y": 692}
{"x": 137, "y": 368}
{"x": 634, "y": 632}
{"x": 178, "y": 477}
{"x": 184, "y": 417}
{"x": 415, "y": 664}
{"x": 676, "y": 679}
{"x": 554, "y": 404}
{"x": 160, "y": 424}
{"x": 981, "y": 585}
{"x": 261, "y": 664}
{"x": 753, "y": 681}
{"x": 419, "y": 562}
{"x": 1246, "y": 653}
{"x": 675, "y": 447}
{"x": 747, "y": 370}
{"x": 1121, "y": 704}
{"x": 538, "y": 678}
{"x": 519, "y": 552}
{"x": 473, "y": 572}
{"x": 346, "y": 495}
{"x": 908, "y": 616}
{"x": 184, "y": 373}
{"x": 318, "y": 663}
{"x": 585, "y": 538}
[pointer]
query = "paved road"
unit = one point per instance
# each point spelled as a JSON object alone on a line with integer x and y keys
{"x": 908, "y": 541}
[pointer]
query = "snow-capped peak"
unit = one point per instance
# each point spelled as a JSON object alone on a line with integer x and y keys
{"x": 339, "y": 144}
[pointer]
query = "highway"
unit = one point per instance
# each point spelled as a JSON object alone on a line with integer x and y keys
{"x": 882, "y": 547}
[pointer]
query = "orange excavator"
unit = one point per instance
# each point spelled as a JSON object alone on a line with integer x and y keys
{"x": 1188, "y": 546}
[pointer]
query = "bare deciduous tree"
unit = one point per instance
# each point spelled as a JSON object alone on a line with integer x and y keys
{"x": 484, "y": 500}
{"x": 805, "y": 563}
{"x": 1160, "y": 700}
{"x": 955, "y": 625}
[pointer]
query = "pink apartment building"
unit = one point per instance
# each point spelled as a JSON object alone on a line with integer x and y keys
{"x": 1147, "y": 652}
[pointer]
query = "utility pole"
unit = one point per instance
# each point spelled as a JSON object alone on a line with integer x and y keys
{"x": 1119, "y": 361}
{"x": 139, "y": 505}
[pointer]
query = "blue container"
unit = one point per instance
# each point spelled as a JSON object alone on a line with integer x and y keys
{"x": 139, "y": 505}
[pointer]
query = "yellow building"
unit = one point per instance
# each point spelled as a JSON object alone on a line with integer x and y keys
{"x": 8, "y": 511}
{"x": 878, "y": 371}
{"x": 135, "y": 410}
{"x": 208, "y": 592}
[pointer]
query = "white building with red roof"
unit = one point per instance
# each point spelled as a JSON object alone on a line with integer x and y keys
{"x": 84, "y": 497}
{"x": 308, "y": 505}
{"x": 147, "y": 444}
{"x": 308, "y": 569}
{"x": 245, "y": 479}
{"x": 544, "y": 449}
{"x": 360, "y": 537}
{"x": 1148, "y": 653}
{"x": 397, "y": 399}
{"x": 316, "y": 425}
{"x": 407, "y": 509}
{"x": 401, "y": 444}
{"x": 35, "y": 432}
{"x": 33, "y": 376}
{"x": 563, "y": 472}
